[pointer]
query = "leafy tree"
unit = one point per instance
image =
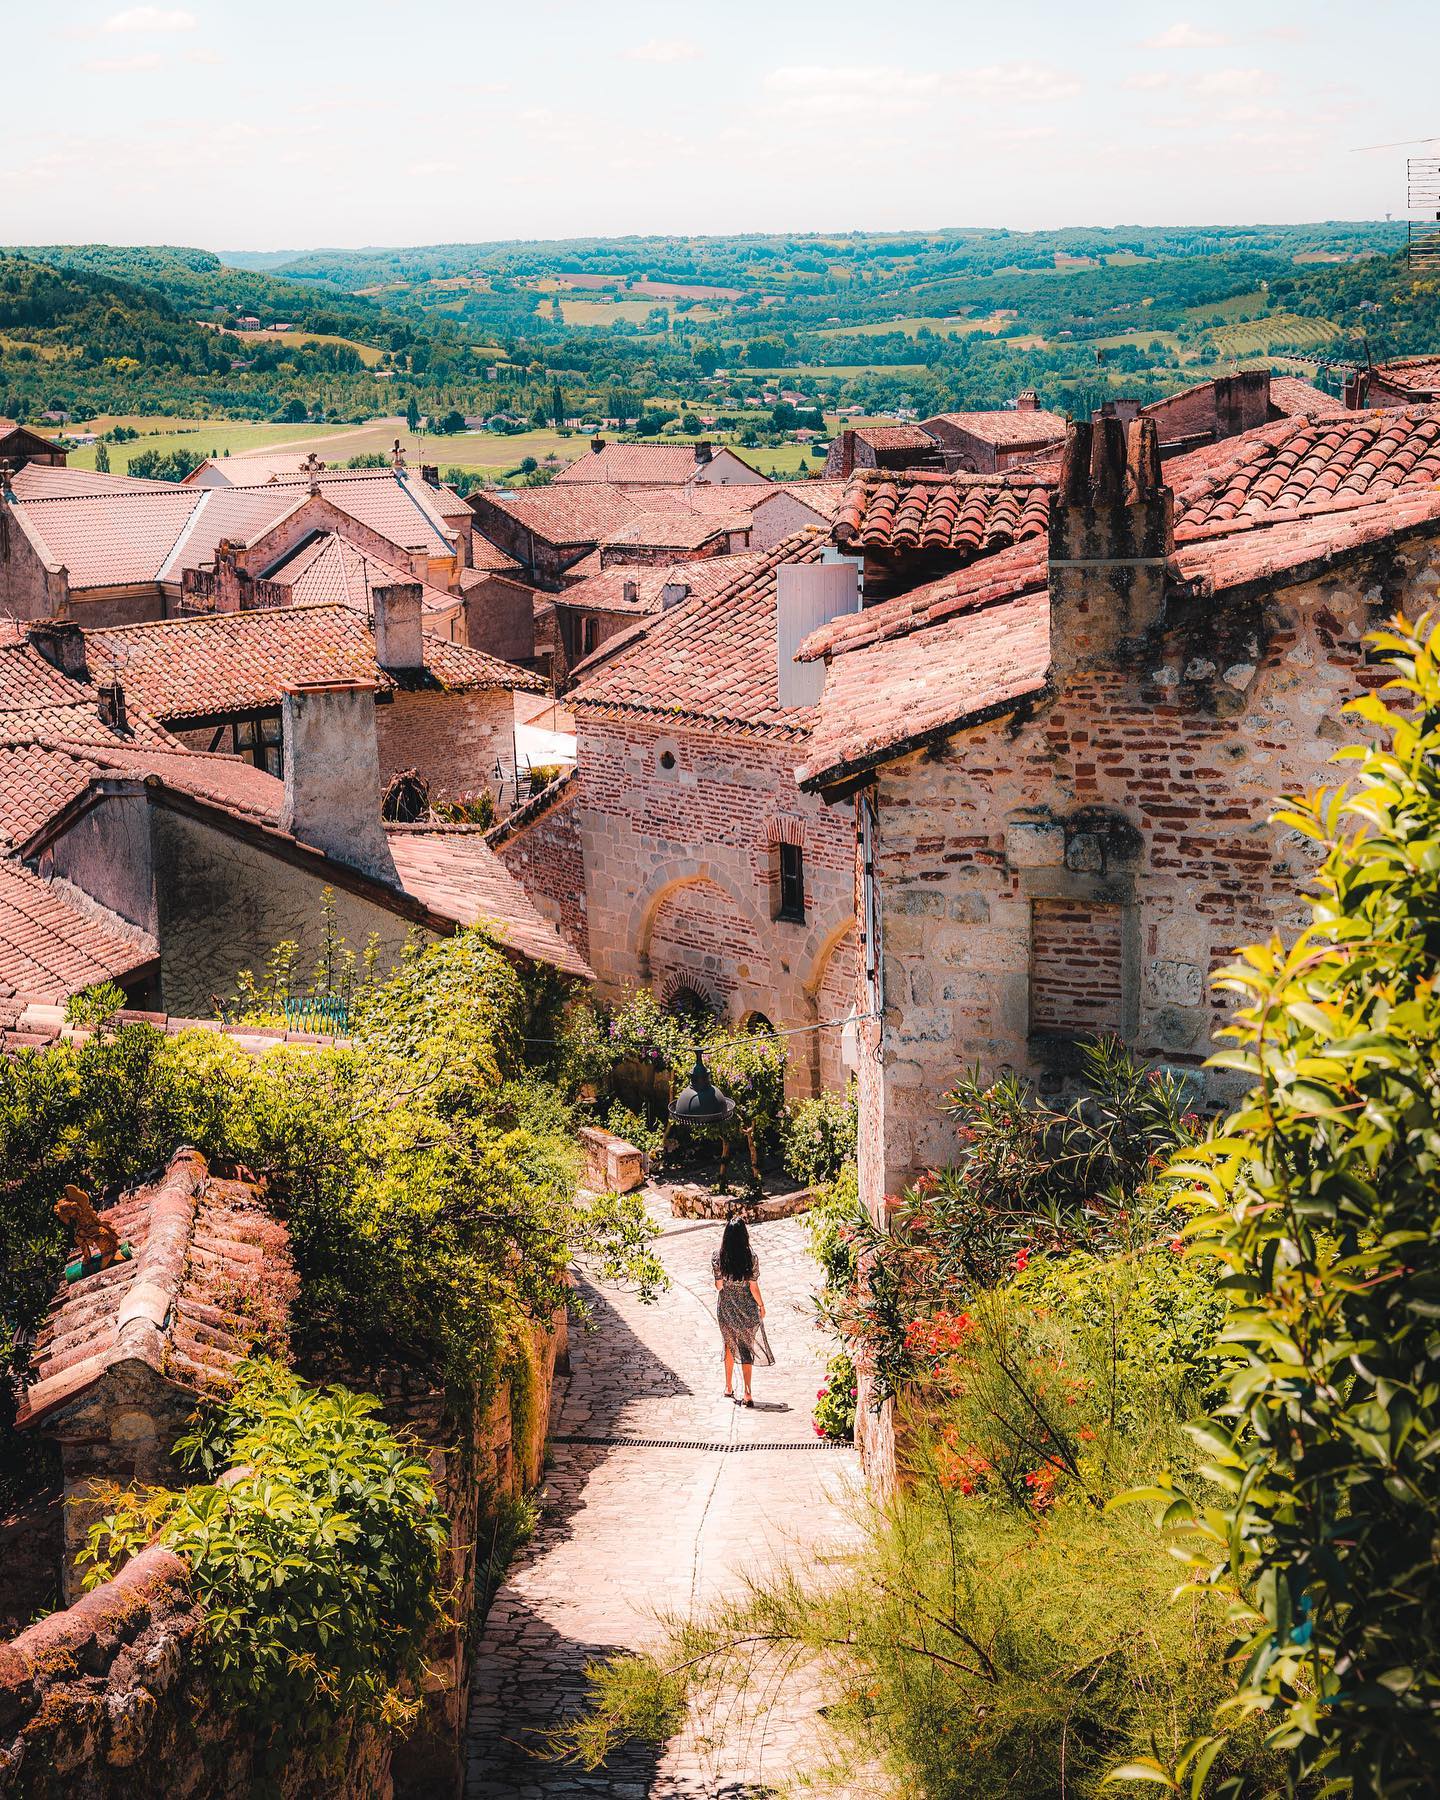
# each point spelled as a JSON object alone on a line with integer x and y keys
{"x": 102, "y": 459}
{"x": 690, "y": 424}
{"x": 412, "y": 414}
{"x": 1320, "y": 1198}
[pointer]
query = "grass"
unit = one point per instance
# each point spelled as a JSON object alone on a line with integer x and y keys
{"x": 942, "y": 327}
{"x": 1138, "y": 340}
{"x": 1227, "y": 309}
{"x": 367, "y": 353}
{"x": 606, "y": 312}
{"x": 1256, "y": 337}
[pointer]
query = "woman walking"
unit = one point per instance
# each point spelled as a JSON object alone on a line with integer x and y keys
{"x": 741, "y": 1308}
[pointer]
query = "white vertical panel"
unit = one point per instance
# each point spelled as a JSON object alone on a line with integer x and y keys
{"x": 807, "y": 596}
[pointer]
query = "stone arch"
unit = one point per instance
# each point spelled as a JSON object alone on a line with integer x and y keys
{"x": 831, "y": 987}
{"x": 697, "y": 932}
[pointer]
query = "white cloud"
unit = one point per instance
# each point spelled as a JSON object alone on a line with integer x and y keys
{"x": 1147, "y": 83}
{"x": 204, "y": 56}
{"x": 1233, "y": 81}
{"x": 1185, "y": 36}
{"x": 428, "y": 169}
{"x": 121, "y": 65}
{"x": 665, "y": 50}
{"x": 854, "y": 91}
{"x": 151, "y": 18}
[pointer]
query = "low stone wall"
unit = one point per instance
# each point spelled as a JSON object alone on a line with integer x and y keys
{"x": 104, "y": 1700}
{"x": 612, "y": 1164}
{"x": 693, "y": 1202}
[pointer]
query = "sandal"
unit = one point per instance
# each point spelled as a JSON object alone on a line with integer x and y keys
{"x": 747, "y": 1401}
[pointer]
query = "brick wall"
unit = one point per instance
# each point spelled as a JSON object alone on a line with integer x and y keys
{"x": 500, "y": 618}
{"x": 543, "y": 852}
{"x": 1075, "y": 967}
{"x": 679, "y": 868}
{"x": 1144, "y": 788}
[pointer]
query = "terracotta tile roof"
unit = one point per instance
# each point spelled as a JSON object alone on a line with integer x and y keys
{"x": 823, "y": 497}
{"x": 895, "y": 437}
{"x": 1302, "y": 464}
{"x": 674, "y": 530}
{"x": 604, "y": 591}
{"x": 214, "y": 663}
{"x": 905, "y": 691}
{"x": 118, "y": 539}
{"x": 582, "y": 513}
{"x": 331, "y": 570}
{"x": 916, "y": 510}
{"x": 1289, "y": 394}
{"x": 1419, "y": 375}
{"x": 663, "y": 463}
{"x": 29, "y": 681}
{"x": 1009, "y": 428}
{"x": 486, "y": 557}
{"x": 455, "y": 872}
{"x": 1298, "y": 547}
{"x": 55, "y": 941}
{"x": 248, "y": 470}
{"x": 201, "y": 1245}
{"x": 41, "y": 481}
{"x": 710, "y": 659}
{"x": 134, "y": 533}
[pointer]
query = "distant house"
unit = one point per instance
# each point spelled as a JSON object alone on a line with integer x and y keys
{"x": 982, "y": 443}
{"x": 882, "y": 447}
{"x": 666, "y": 465}
{"x": 19, "y": 445}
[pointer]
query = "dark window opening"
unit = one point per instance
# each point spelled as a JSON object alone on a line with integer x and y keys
{"x": 589, "y": 636}
{"x": 691, "y": 1006}
{"x": 667, "y": 759}
{"x": 261, "y": 739}
{"x": 790, "y": 896}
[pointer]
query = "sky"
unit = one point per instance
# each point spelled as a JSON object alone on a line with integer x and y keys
{"x": 286, "y": 124}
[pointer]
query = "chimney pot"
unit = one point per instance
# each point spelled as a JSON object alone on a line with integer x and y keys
{"x": 332, "y": 774}
{"x": 111, "y": 697}
{"x": 399, "y": 627}
{"x": 1029, "y": 401}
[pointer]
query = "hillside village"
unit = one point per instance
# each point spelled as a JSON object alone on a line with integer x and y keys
{"x": 960, "y": 754}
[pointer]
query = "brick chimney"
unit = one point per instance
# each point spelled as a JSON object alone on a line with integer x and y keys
{"x": 847, "y": 454}
{"x": 62, "y": 644}
{"x": 332, "y": 774}
{"x": 430, "y": 474}
{"x": 399, "y": 632}
{"x": 1357, "y": 383}
{"x": 1112, "y": 531}
{"x": 1029, "y": 401}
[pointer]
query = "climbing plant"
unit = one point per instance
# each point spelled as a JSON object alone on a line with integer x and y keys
{"x": 1319, "y": 1197}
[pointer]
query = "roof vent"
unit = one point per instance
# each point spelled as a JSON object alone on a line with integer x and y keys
{"x": 630, "y": 592}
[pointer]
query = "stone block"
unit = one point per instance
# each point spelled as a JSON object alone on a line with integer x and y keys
{"x": 1034, "y": 844}
{"x": 612, "y": 1166}
{"x": 1176, "y": 983}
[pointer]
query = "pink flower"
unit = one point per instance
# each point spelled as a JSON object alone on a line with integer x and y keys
{"x": 820, "y": 1393}
{"x": 1022, "y": 1257}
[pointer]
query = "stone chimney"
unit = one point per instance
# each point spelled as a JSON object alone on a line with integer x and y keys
{"x": 1111, "y": 534}
{"x": 62, "y": 644}
{"x": 1241, "y": 402}
{"x": 703, "y": 452}
{"x": 399, "y": 632}
{"x": 597, "y": 444}
{"x": 630, "y": 591}
{"x": 332, "y": 774}
{"x": 1029, "y": 401}
{"x": 111, "y": 697}
{"x": 430, "y": 474}
{"x": 847, "y": 454}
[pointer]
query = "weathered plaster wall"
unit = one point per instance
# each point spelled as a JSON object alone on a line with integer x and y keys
{"x": 679, "y": 868}
{"x": 1145, "y": 787}
{"x": 224, "y": 905}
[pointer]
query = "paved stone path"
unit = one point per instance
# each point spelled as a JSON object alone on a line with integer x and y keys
{"x": 632, "y": 1532}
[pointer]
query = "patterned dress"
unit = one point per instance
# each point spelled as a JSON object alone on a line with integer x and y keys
{"x": 739, "y": 1314}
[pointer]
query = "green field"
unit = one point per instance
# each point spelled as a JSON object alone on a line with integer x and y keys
{"x": 1257, "y": 337}
{"x": 946, "y": 327}
{"x": 367, "y": 353}
{"x": 1137, "y": 340}
{"x": 1226, "y": 309}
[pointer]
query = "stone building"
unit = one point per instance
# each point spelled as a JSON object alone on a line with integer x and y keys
{"x": 984, "y": 443}
{"x": 218, "y": 682}
{"x": 882, "y": 447}
{"x": 1061, "y": 760}
{"x": 707, "y": 875}
{"x": 125, "y": 853}
{"x": 664, "y": 465}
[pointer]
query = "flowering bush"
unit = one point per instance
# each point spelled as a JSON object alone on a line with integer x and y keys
{"x": 819, "y": 1137}
{"x": 835, "y": 1402}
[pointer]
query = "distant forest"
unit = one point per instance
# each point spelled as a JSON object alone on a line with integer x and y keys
{"x": 640, "y": 326}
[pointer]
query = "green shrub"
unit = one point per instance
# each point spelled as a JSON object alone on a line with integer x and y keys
{"x": 1318, "y": 1197}
{"x": 645, "y": 1134}
{"x": 318, "y": 1569}
{"x": 819, "y": 1137}
{"x": 835, "y": 1402}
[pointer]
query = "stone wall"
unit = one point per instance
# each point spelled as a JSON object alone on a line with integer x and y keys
{"x": 679, "y": 829}
{"x": 454, "y": 740}
{"x": 499, "y": 618}
{"x": 105, "y": 1698}
{"x": 1127, "y": 816}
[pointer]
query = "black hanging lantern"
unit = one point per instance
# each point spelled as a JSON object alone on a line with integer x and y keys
{"x": 700, "y": 1102}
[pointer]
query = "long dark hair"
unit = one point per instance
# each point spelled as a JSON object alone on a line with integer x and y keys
{"x": 737, "y": 1260}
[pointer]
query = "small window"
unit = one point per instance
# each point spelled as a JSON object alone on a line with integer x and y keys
{"x": 790, "y": 884}
{"x": 261, "y": 739}
{"x": 589, "y": 636}
{"x": 667, "y": 759}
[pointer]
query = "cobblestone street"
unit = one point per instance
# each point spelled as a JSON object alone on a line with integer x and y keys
{"x": 632, "y": 1531}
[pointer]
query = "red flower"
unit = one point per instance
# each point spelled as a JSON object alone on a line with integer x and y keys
{"x": 1022, "y": 1257}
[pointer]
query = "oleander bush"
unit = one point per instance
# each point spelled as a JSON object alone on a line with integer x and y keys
{"x": 819, "y": 1135}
